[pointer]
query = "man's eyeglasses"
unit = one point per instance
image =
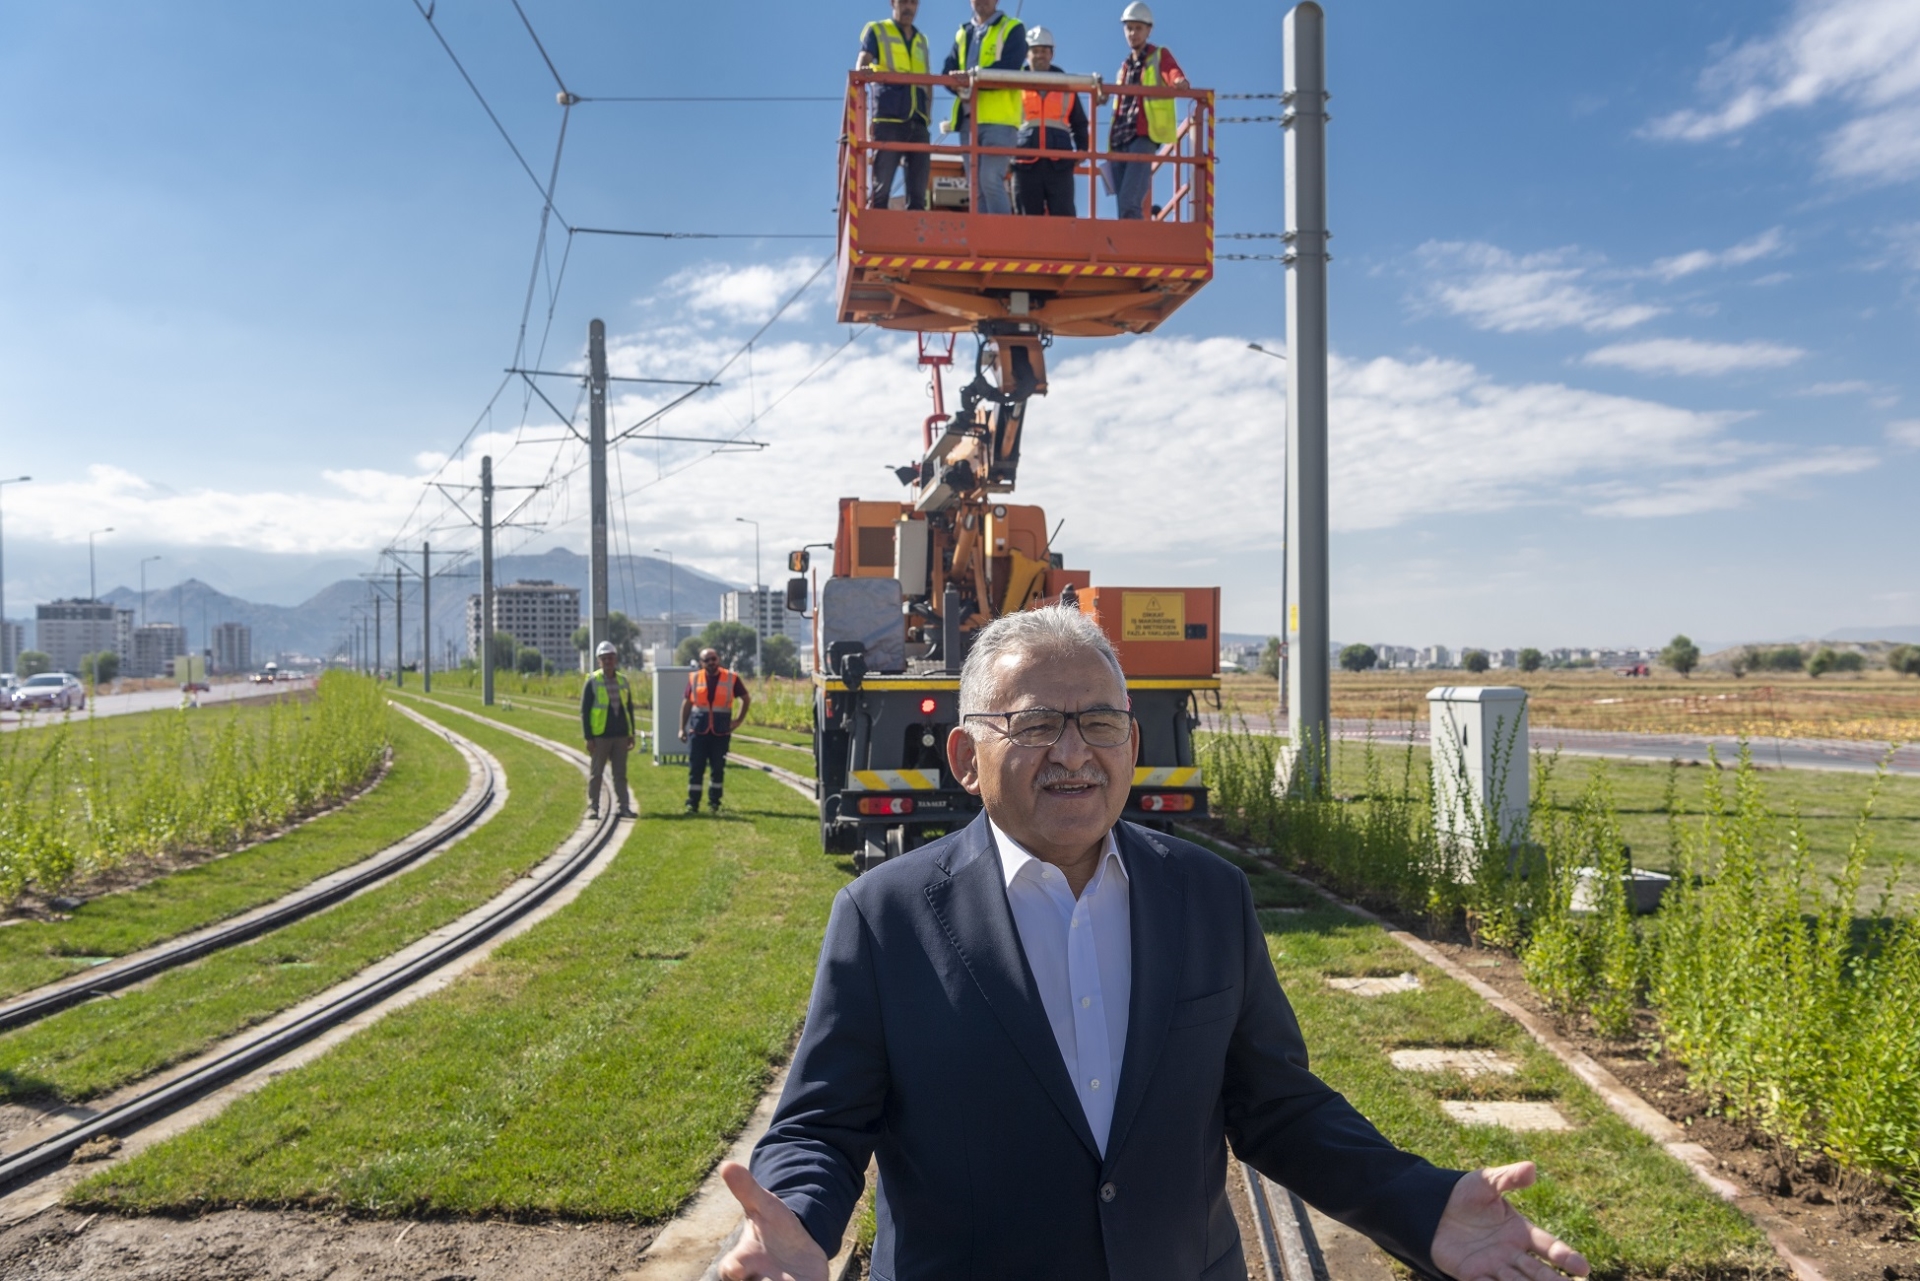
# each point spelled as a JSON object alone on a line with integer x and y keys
{"x": 1042, "y": 726}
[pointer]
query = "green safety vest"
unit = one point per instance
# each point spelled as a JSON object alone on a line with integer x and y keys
{"x": 598, "y": 716}
{"x": 898, "y": 56}
{"x": 1163, "y": 124}
{"x": 990, "y": 106}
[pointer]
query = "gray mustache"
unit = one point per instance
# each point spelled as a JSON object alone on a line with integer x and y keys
{"x": 1050, "y": 774}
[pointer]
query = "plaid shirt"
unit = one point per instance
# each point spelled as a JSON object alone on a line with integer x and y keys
{"x": 1127, "y": 107}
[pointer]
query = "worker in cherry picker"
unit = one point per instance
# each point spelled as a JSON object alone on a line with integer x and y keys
{"x": 1056, "y": 119}
{"x": 714, "y": 706}
{"x": 1141, "y": 125}
{"x": 989, "y": 41}
{"x": 898, "y": 113}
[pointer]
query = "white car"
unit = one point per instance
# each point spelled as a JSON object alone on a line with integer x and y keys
{"x": 50, "y": 690}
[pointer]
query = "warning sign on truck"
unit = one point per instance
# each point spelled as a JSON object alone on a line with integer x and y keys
{"x": 1153, "y": 616}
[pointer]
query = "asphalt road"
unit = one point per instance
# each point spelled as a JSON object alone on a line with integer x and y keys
{"x": 151, "y": 700}
{"x": 1781, "y": 753}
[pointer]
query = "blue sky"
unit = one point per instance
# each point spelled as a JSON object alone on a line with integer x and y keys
{"x": 1624, "y": 306}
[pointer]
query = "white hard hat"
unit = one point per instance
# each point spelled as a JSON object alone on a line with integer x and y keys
{"x": 606, "y": 647}
{"x": 1135, "y": 12}
{"x": 1039, "y": 35}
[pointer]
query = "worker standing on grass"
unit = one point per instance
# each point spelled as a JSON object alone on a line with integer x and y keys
{"x": 991, "y": 41}
{"x": 707, "y": 722}
{"x": 607, "y": 721}
{"x": 1053, "y": 119}
{"x": 899, "y": 113}
{"x": 1142, "y": 125}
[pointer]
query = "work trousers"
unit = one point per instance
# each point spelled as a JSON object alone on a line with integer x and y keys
{"x": 602, "y": 752}
{"x": 919, "y": 164}
{"x": 1132, "y": 183}
{"x": 707, "y": 751}
{"x": 993, "y": 197}
{"x": 1044, "y": 187}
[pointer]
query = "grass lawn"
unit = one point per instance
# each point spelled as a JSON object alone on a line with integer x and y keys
{"x": 624, "y": 1040}
{"x": 92, "y": 1049}
{"x": 427, "y": 776}
{"x": 1829, "y": 803}
{"x": 1606, "y": 1188}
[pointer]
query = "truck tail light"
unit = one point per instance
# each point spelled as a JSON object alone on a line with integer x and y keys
{"x": 886, "y": 805}
{"x": 926, "y": 706}
{"x": 1166, "y": 802}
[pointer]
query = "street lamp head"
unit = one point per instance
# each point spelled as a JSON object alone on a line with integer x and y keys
{"x": 1254, "y": 346}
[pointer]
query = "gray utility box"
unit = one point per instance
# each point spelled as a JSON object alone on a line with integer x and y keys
{"x": 669, "y": 688}
{"x": 1480, "y": 764}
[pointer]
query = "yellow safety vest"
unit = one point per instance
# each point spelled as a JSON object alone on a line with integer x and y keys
{"x": 898, "y": 56}
{"x": 1163, "y": 123}
{"x": 990, "y": 106}
{"x": 598, "y": 716}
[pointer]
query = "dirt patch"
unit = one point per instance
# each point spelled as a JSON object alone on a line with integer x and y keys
{"x": 1855, "y": 1229}
{"x": 135, "y": 871}
{"x": 269, "y": 1245}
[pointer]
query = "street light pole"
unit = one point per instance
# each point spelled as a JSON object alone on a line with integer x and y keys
{"x": 8, "y": 661}
{"x": 759, "y": 605}
{"x": 673, "y": 631}
{"x": 144, "y": 562}
{"x": 1286, "y": 496}
{"x": 93, "y": 586}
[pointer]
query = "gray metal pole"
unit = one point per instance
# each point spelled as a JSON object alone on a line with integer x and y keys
{"x": 1308, "y": 632}
{"x": 399, "y": 636}
{"x": 426, "y": 618}
{"x": 376, "y": 632}
{"x": 486, "y": 581}
{"x": 597, "y": 482}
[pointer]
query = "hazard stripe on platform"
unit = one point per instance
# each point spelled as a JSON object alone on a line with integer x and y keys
{"x": 893, "y": 780}
{"x": 1168, "y": 776}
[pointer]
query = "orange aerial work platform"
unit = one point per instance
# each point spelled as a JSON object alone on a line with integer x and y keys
{"x": 950, "y": 269}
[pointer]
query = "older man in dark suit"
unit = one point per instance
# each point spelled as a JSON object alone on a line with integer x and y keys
{"x": 1051, "y": 1027}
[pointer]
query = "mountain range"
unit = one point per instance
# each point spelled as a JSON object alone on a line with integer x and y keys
{"x": 638, "y": 586}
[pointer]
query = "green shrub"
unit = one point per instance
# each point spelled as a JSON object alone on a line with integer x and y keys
{"x": 1358, "y": 658}
{"x": 71, "y": 802}
{"x": 1904, "y": 659}
{"x": 1681, "y": 654}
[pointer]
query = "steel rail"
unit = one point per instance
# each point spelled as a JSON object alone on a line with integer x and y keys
{"x": 304, "y": 902}
{"x": 117, "y": 1121}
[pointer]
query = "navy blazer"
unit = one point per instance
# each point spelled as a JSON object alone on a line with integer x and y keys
{"x": 926, "y": 1046}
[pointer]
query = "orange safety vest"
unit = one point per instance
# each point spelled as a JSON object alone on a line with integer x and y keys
{"x": 716, "y": 699}
{"x": 1053, "y": 107}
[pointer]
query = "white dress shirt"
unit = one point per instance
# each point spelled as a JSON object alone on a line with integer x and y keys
{"x": 1081, "y": 954}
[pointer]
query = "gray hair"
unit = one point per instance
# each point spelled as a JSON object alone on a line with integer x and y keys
{"x": 1059, "y": 631}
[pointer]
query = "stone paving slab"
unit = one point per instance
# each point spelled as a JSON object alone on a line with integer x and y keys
{"x": 1465, "y": 1062}
{"x": 1508, "y": 1116}
{"x": 1375, "y": 986}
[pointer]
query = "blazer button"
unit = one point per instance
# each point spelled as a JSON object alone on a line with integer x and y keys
{"x": 1108, "y": 1192}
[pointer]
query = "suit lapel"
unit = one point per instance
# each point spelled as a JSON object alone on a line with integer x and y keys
{"x": 971, "y": 905}
{"x": 1157, "y": 913}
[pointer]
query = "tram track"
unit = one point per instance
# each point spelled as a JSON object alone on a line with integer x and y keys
{"x": 380, "y": 983}
{"x": 335, "y": 887}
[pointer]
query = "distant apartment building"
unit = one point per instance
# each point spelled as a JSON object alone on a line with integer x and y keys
{"x": 232, "y": 649}
{"x": 536, "y": 612}
{"x": 1435, "y": 656}
{"x": 155, "y": 646}
{"x": 66, "y": 631}
{"x": 765, "y": 611}
{"x": 13, "y": 642}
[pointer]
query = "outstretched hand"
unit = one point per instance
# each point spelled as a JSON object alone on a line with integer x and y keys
{"x": 775, "y": 1245}
{"x": 1482, "y": 1238}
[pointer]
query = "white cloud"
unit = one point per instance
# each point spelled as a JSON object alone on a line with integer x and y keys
{"x": 742, "y": 293}
{"x": 1491, "y": 288}
{"x": 1905, "y": 432}
{"x": 1850, "y": 387}
{"x": 1718, "y": 491}
{"x": 1863, "y": 54}
{"x": 1153, "y": 447}
{"x": 1764, "y": 245}
{"x": 1691, "y": 356}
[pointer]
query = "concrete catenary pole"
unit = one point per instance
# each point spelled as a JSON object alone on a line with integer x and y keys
{"x": 399, "y": 634}
{"x": 426, "y": 618}
{"x": 597, "y": 482}
{"x": 375, "y": 592}
{"x": 1305, "y": 121}
{"x": 486, "y": 581}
